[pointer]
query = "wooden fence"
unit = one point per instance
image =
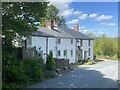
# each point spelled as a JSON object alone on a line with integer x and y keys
{"x": 27, "y": 53}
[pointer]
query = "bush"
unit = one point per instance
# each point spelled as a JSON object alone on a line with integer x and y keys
{"x": 21, "y": 73}
{"x": 50, "y": 63}
{"x": 34, "y": 69}
{"x": 90, "y": 62}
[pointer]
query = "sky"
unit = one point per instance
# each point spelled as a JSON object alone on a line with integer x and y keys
{"x": 97, "y": 18}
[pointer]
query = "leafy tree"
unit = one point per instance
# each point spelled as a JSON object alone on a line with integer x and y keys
{"x": 18, "y": 19}
{"x": 105, "y": 46}
{"x": 53, "y": 14}
{"x": 61, "y": 21}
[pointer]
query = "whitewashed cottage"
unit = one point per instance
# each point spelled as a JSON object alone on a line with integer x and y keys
{"x": 63, "y": 42}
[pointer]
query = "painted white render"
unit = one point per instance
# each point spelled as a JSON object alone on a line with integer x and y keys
{"x": 67, "y": 45}
{"x": 45, "y": 44}
{"x": 85, "y": 47}
{"x": 39, "y": 43}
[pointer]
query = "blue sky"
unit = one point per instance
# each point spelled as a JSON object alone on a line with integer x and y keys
{"x": 92, "y": 17}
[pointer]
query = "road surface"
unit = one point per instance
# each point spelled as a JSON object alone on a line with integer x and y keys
{"x": 103, "y": 74}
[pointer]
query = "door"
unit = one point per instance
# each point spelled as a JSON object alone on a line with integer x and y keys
{"x": 79, "y": 53}
{"x": 84, "y": 54}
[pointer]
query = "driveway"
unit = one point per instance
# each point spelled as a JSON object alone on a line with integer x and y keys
{"x": 103, "y": 74}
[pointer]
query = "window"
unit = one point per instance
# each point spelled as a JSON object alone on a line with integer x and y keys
{"x": 71, "y": 41}
{"x": 89, "y": 42}
{"x": 59, "y": 40}
{"x": 65, "y": 52}
{"x": 58, "y": 52}
{"x": 71, "y": 53}
{"x": 89, "y": 52}
{"x": 81, "y": 42}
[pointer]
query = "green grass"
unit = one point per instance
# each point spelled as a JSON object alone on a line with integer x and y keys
{"x": 108, "y": 58}
{"x": 90, "y": 62}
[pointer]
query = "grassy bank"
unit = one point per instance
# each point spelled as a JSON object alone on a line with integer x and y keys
{"x": 108, "y": 58}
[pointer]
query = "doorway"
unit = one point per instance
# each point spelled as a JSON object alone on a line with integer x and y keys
{"x": 85, "y": 55}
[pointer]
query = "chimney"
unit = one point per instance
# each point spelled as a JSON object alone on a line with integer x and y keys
{"x": 55, "y": 24}
{"x": 76, "y": 27}
{"x": 50, "y": 24}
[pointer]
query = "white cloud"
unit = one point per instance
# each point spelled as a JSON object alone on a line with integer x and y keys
{"x": 77, "y": 12}
{"x": 64, "y": 9}
{"x": 94, "y": 15}
{"x": 85, "y": 30}
{"x": 104, "y": 17}
{"x": 100, "y": 17}
{"x": 107, "y": 24}
{"x": 82, "y": 27}
{"x": 74, "y": 21}
{"x": 83, "y": 16}
{"x": 67, "y": 12}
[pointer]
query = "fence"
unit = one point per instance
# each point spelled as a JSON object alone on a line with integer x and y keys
{"x": 62, "y": 64}
{"x": 27, "y": 53}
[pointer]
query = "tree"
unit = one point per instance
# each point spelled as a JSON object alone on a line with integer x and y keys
{"x": 105, "y": 46}
{"x": 61, "y": 21}
{"x": 53, "y": 14}
{"x": 18, "y": 19}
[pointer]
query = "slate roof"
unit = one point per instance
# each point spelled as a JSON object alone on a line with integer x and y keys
{"x": 43, "y": 31}
{"x": 60, "y": 32}
{"x": 76, "y": 34}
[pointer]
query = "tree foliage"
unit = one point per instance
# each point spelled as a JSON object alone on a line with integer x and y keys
{"x": 53, "y": 14}
{"x": 18, "y": 19}
{"x": 105, "y": 46}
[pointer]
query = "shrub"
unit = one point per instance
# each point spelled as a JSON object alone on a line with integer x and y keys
{"x": 50, "y": 63}
{"x": 34, "y": 69}
{"x": 90, "y": 62}
{"x": 21, "y": 73}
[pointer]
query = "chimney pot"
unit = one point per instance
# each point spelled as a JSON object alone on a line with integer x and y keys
{"x": 76, "y": 27}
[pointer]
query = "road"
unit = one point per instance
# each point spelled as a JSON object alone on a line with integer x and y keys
{"x": 103, "y": 74}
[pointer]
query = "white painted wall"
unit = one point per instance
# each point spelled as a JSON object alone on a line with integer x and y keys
{"x": 39, "y": 42}
{"x": 66, "y": 45}
{"x": 85, "y": 47}
{"x": 54, "y": 46}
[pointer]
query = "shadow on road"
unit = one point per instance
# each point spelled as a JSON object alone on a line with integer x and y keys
{"x": 98, "y": 60}
{"x": 79, "y": 78}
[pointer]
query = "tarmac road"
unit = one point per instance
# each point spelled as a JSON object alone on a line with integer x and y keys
{"x": 103, "y": 74}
